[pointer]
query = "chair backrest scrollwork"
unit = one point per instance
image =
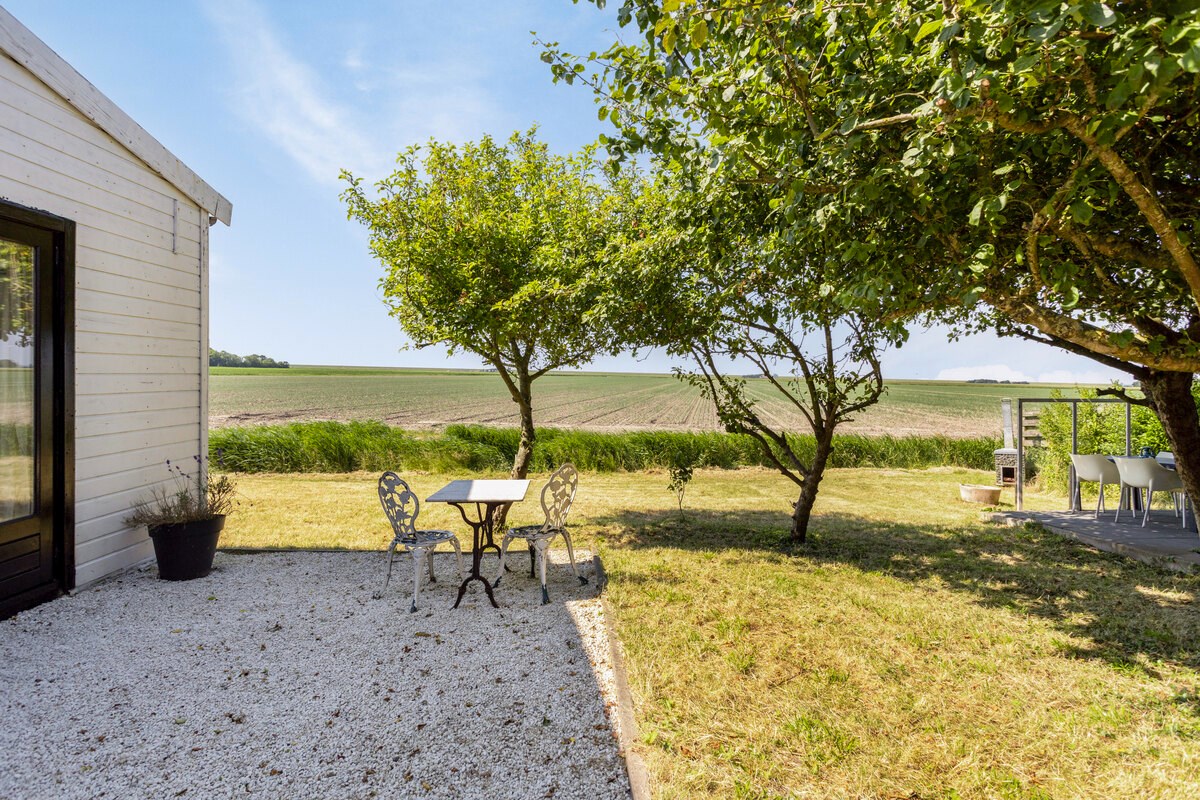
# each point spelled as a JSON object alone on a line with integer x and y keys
{"x": 558, "y": 495}
{"x": 400, "y": 505}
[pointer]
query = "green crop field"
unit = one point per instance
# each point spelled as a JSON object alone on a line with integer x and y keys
{"x": 422, "y": 399}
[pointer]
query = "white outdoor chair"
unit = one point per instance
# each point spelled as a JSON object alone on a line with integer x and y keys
{"x": 557, "y": 497}
{"x": 1097, "y": 469}
{"x": 1146, "y": 473}
{"x": 402, "y": 507}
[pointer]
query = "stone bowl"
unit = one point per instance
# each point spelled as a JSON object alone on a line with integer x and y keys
{"x": 975, "y": 493}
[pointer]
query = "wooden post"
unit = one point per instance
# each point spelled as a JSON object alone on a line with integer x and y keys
{"x": 1073, "y": 483}
{"x": 1128, "y": 429}
{"x": 1020, "y": 485}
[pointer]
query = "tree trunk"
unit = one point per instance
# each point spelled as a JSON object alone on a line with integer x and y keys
{"x": 802, "y": 511}
{"x": 1170, "y": 395}
{"x": 520, "y": 467}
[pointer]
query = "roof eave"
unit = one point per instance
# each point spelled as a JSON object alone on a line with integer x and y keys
{"x": 22, "y": 46}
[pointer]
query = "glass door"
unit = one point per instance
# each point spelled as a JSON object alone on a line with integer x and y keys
{"x": 28, "y": 514}
{"x": 18, "y": 412}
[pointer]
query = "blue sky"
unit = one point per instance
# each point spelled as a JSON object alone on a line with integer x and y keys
{"x": 267, "y": 101}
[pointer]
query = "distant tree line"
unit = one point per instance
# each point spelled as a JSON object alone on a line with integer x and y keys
{"x": 219, "y": 358}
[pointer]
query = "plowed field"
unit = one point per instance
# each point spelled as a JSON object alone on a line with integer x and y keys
{"x": 417, "y": 399}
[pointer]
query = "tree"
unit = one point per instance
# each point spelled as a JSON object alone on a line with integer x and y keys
{"x": 722, "y": 295}
{"x": 492, "y": 249}
{"x": 220, "y": 358}
{"x": 1029, "y": 167}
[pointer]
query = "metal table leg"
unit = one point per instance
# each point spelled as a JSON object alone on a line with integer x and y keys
{"x": 479, "y": 528}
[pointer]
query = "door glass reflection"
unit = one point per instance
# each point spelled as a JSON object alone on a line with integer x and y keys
{"x": 16, "y": 380}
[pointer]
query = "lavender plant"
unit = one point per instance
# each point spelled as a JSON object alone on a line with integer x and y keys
{"x": 188, "y": 497}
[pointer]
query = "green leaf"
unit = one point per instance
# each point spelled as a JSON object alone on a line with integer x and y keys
{"x": 699, "y": 34}
{"x": 729, "y": 93}
{"x": 1027, "y": 61}
{"x": 1081, "y": 212}
{"x": 1099, "y": 14}
{"x": 949, "y": 32}
{"x": 1119, "y": 95}
{"x": 1043, "y": 33}
{"x": 1190, "y": 61}
{"x": 976, "y": 213}
{"x": 928, "y": 29}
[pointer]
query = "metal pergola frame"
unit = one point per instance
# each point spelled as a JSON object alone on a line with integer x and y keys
{"x": 1021, "y": 401}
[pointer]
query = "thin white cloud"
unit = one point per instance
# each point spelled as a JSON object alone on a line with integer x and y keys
{"x": 1003, "y": 372}
{"x": 361, "y": 117}
{"x": 354, "y": 60}
{"x": 220, "y": 272}
{"x": 445, "y": 100}
{"x": 995, "y": 372}
{"x": 286, "y": 99}
{"x": 1068, "y": 376}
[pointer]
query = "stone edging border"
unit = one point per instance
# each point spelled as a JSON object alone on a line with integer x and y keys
{"x": 639, "y": 779}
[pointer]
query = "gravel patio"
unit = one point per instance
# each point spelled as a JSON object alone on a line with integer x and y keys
{"x": 279, "y": 676}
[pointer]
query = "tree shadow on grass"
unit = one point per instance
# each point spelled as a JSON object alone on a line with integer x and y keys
{"x": 1133, "y": 614}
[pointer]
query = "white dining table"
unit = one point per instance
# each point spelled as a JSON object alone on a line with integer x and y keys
{"x": 487, "y": 496}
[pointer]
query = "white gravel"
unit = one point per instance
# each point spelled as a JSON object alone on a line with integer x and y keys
{"x": 278, "y": 676}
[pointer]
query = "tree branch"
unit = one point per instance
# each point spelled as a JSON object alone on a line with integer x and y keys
{"x": 1078, "y": 337}
{"x": 1122, "y": 393}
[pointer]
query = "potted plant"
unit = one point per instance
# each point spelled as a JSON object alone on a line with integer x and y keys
{"x": 185, "y": 518}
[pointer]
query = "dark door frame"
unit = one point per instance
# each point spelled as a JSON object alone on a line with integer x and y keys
{"x": 62, "y": 386}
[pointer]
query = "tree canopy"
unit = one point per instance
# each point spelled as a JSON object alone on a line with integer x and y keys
{"x": 221, "y": 358}
{"x": 1030, "y": 167}
{"x": 494, "y": 249}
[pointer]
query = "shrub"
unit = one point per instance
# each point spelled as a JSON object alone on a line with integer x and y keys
{"x": 1101, "y": 429}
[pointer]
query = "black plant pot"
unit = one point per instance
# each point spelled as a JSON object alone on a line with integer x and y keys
{"x": 185, "y": 550}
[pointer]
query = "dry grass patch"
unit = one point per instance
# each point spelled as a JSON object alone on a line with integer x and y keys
{"x": 908, "y": 651}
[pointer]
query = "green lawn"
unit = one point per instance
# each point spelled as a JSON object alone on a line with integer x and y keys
{"x": 908, "y": 651}
{"x": 586, "y": 400}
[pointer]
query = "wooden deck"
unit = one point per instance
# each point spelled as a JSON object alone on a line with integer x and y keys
{"x": 1162, "y": 542}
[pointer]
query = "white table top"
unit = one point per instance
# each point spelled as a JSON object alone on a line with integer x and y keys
{"x": 502, "y": 491}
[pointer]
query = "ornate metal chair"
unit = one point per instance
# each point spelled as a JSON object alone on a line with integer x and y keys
{"x": 402, "y": 507}
{"x": 557, "y": 497}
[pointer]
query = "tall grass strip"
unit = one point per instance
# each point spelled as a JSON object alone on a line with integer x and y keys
{"x": 347, "y": 447}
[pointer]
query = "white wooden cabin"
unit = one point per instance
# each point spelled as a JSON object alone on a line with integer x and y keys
{"x": 104, "y": 363}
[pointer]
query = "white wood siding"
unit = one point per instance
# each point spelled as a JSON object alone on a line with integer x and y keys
{"x": 140, "y": 322}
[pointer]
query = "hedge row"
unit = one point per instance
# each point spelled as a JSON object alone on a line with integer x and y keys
{"x": 374, "y": 446}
